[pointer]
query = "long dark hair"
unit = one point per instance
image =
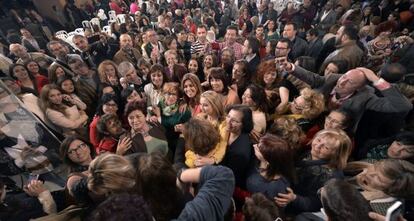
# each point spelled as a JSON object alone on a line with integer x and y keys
{"x": 157, "y": 175}
{"x": 63, "y": 151}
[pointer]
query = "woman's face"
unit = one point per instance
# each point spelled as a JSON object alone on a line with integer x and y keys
{"x": 157, "y": 79}
{"x": 59, "y": 72}
{"x": 33, "y": 67}
{"x": 234, "y": 121}
{"x": 208, "y": 61}
{"x": 372, "y": 178}
{"x": 171, "y": 59}
{"x": 268, "y": 48}
{"x": 398, "y": 150}
{"x": 298, "y": 105}
{"x": 322, "y": 148}
{"x": 193, "y": 66}
{"x": 55, "y": 97}
{"x": 134, "y": 96}
{"x": 331, "y": 69}
{"x": 114, "y": 127}
{"x": 171, "y": 97}
{"x": 110, "y": 107}
{"x": 271, "y": 25}
{"x": 136, "y": 120}
{"x": 335, "y": 120}
{"x": 173, "y": 45}
{"x": 217, "y": 85}
{"x": 247, "y": 98}
{"x": 226, "y": 57}
{"x": 67, "y": 86}
{"x": 144, "y": 69}
{"x": 20, "y": 73}
{"x": 206, "y": 106}
{"x": 110, "y": 73}
{"x": 269, "y": 77}
{"x": 79, "y": 152}
{"x": 238, "y": 72}
{"x": 190, "y": 89}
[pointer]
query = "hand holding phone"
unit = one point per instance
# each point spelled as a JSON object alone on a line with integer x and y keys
{"x": 394, "y": 212}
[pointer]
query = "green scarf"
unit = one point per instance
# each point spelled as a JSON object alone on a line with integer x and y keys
{"x": 168, "y": 110}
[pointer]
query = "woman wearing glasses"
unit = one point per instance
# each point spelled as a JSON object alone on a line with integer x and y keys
{"x": 168, "y": 113}
{"x": 77, "y": 153}
{"x": 239, "y": 124}
{"x": 326, "y": 160}
{"x": 306, "y": 108}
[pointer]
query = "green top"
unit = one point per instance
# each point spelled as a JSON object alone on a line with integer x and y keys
{"x": 155, "y": 144}
{"x": 274, "y": 36}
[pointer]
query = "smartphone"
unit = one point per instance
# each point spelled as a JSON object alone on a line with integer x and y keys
{"x": 33, "y": 177}
{"x": 394, "y": 212}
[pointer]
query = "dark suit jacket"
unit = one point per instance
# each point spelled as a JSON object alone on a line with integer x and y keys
{"x": 363, "y": 99}
{"x": 314, "y": 48}
{"x": 252, "y": 65}
{"x": 299, "y": 47}
{"x": 327, "y": 22}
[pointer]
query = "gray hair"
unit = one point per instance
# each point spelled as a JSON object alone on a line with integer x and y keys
{"x": 124, "y": 67}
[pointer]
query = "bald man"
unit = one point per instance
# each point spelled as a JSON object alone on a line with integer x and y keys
{"x": 127, "y": 52}
{"x": 350, "y": 91}
{"x": 21, "y": 52}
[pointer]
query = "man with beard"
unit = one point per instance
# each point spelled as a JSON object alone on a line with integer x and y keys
{"x": 127, "y": 52}
{"x": 93, "y": 54}
{"x": 346, "y": 48}
{"x": 61, "y": 52}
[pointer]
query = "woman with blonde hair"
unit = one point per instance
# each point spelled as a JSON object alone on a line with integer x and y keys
{"x": 108, "y": 73}
{"x": 289, "y": 130}
{"x": 306, "y": 108}
{"x": 109, "y": 174}
{"x": 192, "y": 89}
{"x": 326, "y": 160}
{"x": 212, "y": 111}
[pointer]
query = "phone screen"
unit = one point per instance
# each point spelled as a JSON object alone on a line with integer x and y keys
{"x": 33, "y": 177}
{"x": 394, "y": 211}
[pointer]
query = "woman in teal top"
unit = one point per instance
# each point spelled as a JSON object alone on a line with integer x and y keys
{"x": 169, "y": 113}
{"x": 271, "y": 31}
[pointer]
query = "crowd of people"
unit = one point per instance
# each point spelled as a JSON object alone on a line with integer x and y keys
{"x": 221, "y": 110}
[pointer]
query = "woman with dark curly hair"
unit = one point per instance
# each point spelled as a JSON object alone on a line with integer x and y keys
{"x": 279, "y": 91}
{"x": 255, "y": 98}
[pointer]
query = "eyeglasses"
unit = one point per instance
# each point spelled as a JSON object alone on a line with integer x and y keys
{"x": 297, "y": 106}
{"x": 111, "y": 104}
{"x": 281, "y": 48}
{"x": 82, "y": 145}
{"x": 171, "y": 94}
{"x": 231, "y": 120}
{"x": 333, "y": 121}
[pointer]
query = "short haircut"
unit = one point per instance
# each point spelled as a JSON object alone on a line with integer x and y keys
{"x": 179, "y": 27}
{"x": 136, "y": 105}
{"x": 351, "y": 32}
{"x": 124, "y": 67}
{"x": 170, "y": 87}
{"x": 53, "y": 42}
{"x": 101, "y": 125}
{"x": 202, "y": 26}
{"x": 313, "y": 32}
{"x": 254, "y": 45}
{"x": 200, "y": 136}
{"x": 295, "y": 26}
{"x": 287, "y": 41}
{"x": 232, "y": 27}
